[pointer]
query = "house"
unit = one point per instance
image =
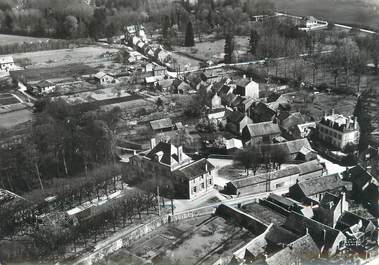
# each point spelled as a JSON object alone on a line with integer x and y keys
{"x": 360, "y": 178}
{"x": 247, "y": 88}
{"x": 356, "y": 229}
{"x": 215, "y": 102}
{"x": 217, "y": 115}
{"x": 331, "y": 208}
{"x": 135, "y": 31}
{"x": 262, "y": 132}
{"x": 328, "y": 240}
{"x": 237, "y": 121}
{"x": 289, "y": 123}
{"x": 7, "y": 63}
{"x": 245, "y": 105}
{"x": 264, "y": 182}
{"x": 159, "y": 70}
{"x": 105, "y": 79}
{"x": 162, "y": 125}
{"x": 165, "y": 163}
{"x": 261, "y": 112}
{"x": 226, "y": 92}
{"x": 232, "y": 145}
{"x": 314, "y": 189}
{"x": 310, "y": 170}
{"x": 164, "y": 84}
{"x": 42, "y": 87}
{"x": 300, "y": 251}
{"x": 338, "y": 130}
{"x": 299, "y": 149}
{"x": 302, "y": 130}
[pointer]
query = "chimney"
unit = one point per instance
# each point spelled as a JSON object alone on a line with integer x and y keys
{"x": 306, "y": 231}
{"x": 348, "y": 123}
{"x": 343, "y": 202}
{"x": 152, "y": 143}
{"x": 332, "y": 111}
{"x": 180, "y": 154}
{"x": 244, "y": 76}
{"x": 324, "y": 235}
{"x": 206, "y": 166}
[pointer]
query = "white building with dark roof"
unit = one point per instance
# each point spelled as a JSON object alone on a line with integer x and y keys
{"x": 338, "y": 130}
{"x": 167, "y": 166}
{"x": 7, "y": 63}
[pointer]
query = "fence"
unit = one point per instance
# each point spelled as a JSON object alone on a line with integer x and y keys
{"x": 129, "y": 237}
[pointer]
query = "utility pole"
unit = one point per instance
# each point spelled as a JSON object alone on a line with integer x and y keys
{"x": 159, "y": 204}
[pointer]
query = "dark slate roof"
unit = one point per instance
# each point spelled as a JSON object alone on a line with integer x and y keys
{"x": 263, "y": 129}
{"x": 349, "y": 219}
{"x": 309, "y": 167}
{"x": 359, "y": 176}
{"x": 243, "y": 82}
{"x": 237, "y": 101}
{"x": 329, "y": 201}
{"x": 299, "y": 224}
{"x": 169, "y": 154}
{"x": 281, "y": 201}
{"x": 303, "y": 248}
{"x": 224, "y": 89}
{"x": 320, "y": 185}
{"x": 161, "y": 124}
{"x": 195, "y": 169}
{"x": 263, "y": 112}
{"x": 235, "y": 116}
{"x": 245, "y": 182}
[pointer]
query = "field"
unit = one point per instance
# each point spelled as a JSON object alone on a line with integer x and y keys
{"x": 10, "y": 119}
{"x": 208, "y": 50}
{"x": 87, "y": 55}
{"x": 11, "y": 39}
{"x": 340, "y": 11}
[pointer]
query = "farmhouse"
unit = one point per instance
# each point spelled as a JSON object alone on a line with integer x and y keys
{"x": 162, "y": 125}
{"x": 105, "y": 79}
{"x": 263, "y": 132}
{"x": 7, "y": 63}
{"x": 237, "y": 121}
{"x": 166, "y": 163}
{"x": 264, "y": 182}
{"x": 247, "y": 88}
{"x": 42, "y": 87}
{"x": 299, "y": 149}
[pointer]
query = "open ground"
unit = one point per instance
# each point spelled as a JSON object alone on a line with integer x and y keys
{"x": 12, "y": 39}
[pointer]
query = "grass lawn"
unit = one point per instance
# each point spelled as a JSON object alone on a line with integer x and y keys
{"x": 12, "y": 39}
{"x": 213, "y": 49}
{"x": 346, "y": 11}
{"x": 10, "y": 119}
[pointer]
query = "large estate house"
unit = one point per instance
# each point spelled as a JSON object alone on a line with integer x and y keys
{"x": 167, "y": 166}
{"x": 338, "y": 130}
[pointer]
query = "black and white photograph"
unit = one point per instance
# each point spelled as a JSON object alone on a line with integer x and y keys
{"x": 189, "y": 132}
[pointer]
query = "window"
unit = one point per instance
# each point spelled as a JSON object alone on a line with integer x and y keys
{"x": 210, "y": 182}
{"x": 202, "y": 186}
{"x": 194, "y": 189}
{"x": 279, "y": 185}
{"x": 340, "y": 136}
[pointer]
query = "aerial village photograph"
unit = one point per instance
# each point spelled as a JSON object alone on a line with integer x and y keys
{"x": 189, "y": 132}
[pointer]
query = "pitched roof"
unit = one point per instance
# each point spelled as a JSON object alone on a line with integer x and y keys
{"x": 233, "y": 143}
{"x": 45, "y": 83}
{"x": 235, "y": 116}
{"x": 195, "y": 169}
{"x": 236, "y": 101}
{"x": 349, "y": 219}
{"x": 303, "y": 248}
{"x": 264, "y": 214}
{"x": 168, "y": 153}
{"x": 161, "y": 124}
{"x": 263, "y": 129}
{"x": 329, "y": 201}
{"x": 322, "y": 184}
{"x": 263, "y": 112}
{"x": 100, "y": 75}
{"x": 299, "y": 224}
{"x": 309, "y": 167}
{"x": 243, "y": 82}
{"x": 224, "y": 90}
{"x": 291, "y": 147}
{"x": 245, "y": 182}
{"x": 293, "y": 120}
{"x": 281, "y": 201}
{"x": 359, "y": 176}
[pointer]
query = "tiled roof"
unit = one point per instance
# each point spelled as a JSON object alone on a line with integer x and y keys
{"x": 309, "y": 167}
{"x": 100, "y": 75}
{"x": 322, "y": 184}
{"x": 299, "y": 224}
{"x": 243, "y": 82}
{"x": 293, "y": 120}
{"x": 235, "y": 116}
{"x": 359, "y": 176}
{"x": 263, "y": 112}
{"x": 195, "y": 169}
{"x": 303, "y": 248}
{"x": 264, "y": 214}
{"x": 291, "y": 147}
{"x": 349, "y": 219}
{"x": 263, "y": 129}
{"x": 245, "y": 182}
{"x": 161, "y": 124}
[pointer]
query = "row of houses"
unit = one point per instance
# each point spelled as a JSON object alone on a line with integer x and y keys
{"x": 289, "y": 231}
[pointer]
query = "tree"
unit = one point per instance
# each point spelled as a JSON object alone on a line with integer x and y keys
{"x": 70, "y": 26}
{"x": 229, "y": 48}
{"x": 189, "y": 39}
{"x": 253, "y": 41}
{"x": 159, "y": 103}
{"x": 248, "y": 158}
